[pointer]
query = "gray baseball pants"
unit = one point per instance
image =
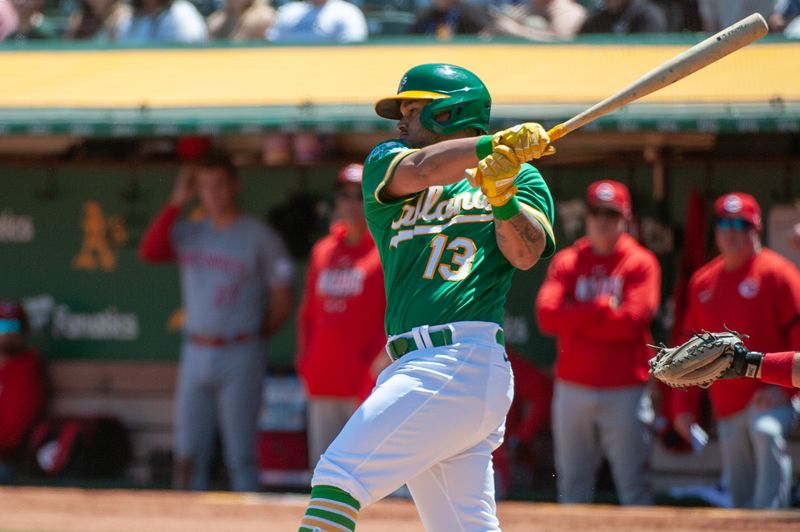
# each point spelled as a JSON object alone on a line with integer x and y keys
{"x": 755, "y": 457}
{"x": 220, "y": 387}
{"x": 592, "y": 423}
{"x": 326, "y": 417}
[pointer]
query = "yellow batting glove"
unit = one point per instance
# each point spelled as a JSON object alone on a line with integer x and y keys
{"x": 496, "y": 174}
{"x": 529, "y": 141}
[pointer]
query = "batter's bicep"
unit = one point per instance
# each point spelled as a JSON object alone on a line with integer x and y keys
{"x": 521, "y": 239}
{"x": 537, "y": 203}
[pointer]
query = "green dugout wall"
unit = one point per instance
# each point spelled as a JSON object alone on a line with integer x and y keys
{"x": 85, "y": 305}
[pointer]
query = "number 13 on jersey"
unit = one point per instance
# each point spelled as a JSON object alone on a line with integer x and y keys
{"x": 460, "y": 263}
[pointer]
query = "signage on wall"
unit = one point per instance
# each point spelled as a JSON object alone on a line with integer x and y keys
{"x": 67, "y": 324}
{"x": 16, "y": 227}
{"x": 102, "y": 234}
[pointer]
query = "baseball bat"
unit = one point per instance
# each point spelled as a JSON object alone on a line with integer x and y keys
{"x": 702, "y": 54}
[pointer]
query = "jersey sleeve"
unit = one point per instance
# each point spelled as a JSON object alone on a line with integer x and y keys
{"x": 379, "y": 169}
{"x": 535, "y": 197}
{"x": 277, "y": 266}
{"x": 156, "y": 243}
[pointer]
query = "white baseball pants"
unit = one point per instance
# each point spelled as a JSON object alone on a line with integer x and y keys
{"x": 432, "y": 422}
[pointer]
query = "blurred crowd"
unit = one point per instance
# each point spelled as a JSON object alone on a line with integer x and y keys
{"x": 328, "y": 21}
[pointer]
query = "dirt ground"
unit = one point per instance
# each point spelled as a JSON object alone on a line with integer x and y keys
{"x": 66, "y": 510}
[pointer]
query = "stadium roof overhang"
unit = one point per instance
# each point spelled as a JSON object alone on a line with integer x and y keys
{"x": 89, "y": 91}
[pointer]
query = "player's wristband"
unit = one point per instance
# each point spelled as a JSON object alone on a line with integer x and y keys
{"x": 484, "y": 146}
{"x": 776, "y": 368}
{"x": 746, "y": 363}
{"x": 507, "y": 211}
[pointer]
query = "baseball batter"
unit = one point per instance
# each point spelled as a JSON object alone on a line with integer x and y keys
{"x": 236, "y": 286}
{"x": 448, "y": 251}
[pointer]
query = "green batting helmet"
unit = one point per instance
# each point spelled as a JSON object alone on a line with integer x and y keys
{"x": 458, "y": 98}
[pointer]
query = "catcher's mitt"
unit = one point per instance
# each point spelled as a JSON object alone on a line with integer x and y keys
{"x": 701, "y": 360}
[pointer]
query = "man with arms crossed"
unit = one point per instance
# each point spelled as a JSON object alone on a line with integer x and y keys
{"x": 448, "y": 251}
{"x": 598, "y": 300}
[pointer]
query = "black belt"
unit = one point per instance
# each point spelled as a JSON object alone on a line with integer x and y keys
{"x": 405, "y": 344}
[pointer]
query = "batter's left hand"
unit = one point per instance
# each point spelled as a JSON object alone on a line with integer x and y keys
{"x": 529, "y": 141}
{"x": 495, "y": 175}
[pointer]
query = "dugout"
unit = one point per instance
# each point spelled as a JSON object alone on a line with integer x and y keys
{"x": 99, "y": 124}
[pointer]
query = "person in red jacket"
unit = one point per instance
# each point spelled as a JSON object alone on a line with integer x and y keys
{"x": 598, "y": 300}
{"x": 754, "y": 291}
{"x": 21, "y": 384}
{"x": 340, "y": 326}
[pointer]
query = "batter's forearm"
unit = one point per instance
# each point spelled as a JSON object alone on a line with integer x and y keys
{"x": 442, "y": 163}
{"x": 521, "y": 239}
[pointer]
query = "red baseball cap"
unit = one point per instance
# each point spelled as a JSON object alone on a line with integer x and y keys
{"x": 610, "y": 195}
{"x": 350, "y": 174}
{"x": 739, "y": 205}
{"x": 193, "y": 148}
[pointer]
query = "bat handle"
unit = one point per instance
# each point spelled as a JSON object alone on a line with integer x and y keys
{"x": 473, "y": 175}
{"x": 557, "y": 131}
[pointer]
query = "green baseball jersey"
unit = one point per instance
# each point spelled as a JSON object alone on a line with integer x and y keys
{"x": 440, "y": 258}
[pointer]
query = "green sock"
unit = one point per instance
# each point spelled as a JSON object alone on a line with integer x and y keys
{"x": 330, "y": 510}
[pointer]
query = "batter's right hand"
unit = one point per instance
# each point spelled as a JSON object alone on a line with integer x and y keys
{"x": 529, "y": 141}
{"x": 183, "y": 191}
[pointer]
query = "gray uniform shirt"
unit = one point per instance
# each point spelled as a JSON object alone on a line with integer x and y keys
{"x": 226, "y": 274}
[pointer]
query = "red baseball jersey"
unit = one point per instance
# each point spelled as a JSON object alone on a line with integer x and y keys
{"x": 760, "y": 299}
{"x": 599, "y": 308}
{"x": 21, "y": 398}
{"x": 340, "y": 325}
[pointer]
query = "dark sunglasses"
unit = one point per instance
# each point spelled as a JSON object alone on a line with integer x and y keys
{"x": 737, "y": 224}
{"x": 602, "y": 212}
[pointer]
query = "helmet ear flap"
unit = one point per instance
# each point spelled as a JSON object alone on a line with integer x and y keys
{"x": 428, "y": 118}
{"x": 461, "y": 115}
